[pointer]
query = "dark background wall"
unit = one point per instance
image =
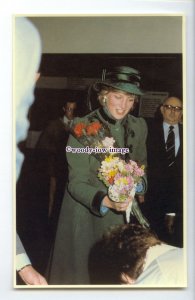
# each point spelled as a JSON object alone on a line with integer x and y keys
{"x": 76, "y": 49}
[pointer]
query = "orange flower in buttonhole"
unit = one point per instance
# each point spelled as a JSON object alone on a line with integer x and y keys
{"x": 78, "y": 129}
{"x": 93, "y": 128}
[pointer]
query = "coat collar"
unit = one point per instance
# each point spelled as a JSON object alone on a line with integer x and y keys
{"x": 106, "y": 118}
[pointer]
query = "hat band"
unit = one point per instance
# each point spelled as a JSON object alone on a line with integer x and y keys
{"x": 124, "y": 86}
{"x": 125, "y": 78}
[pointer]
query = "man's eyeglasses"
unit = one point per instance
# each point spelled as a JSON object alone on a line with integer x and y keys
{"x": 174, "y": 108}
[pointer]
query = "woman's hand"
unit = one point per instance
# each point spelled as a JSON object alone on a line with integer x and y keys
{"x": 118, "y": 206}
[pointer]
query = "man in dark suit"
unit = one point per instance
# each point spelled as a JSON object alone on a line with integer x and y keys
{"x": 164, "y": 202}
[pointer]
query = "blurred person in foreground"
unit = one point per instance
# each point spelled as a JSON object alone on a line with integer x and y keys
{"x": 26, "y": 63}
{"x": 133, "y": 255}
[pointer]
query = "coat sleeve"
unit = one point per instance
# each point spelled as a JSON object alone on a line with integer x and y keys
{"x": 19, "y": 246}
{"x": 82, "y": 184}
{"x": 141, "y": 152}
{"x": 22, "y": 260}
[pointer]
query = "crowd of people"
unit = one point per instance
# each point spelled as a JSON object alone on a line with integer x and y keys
{"x": 65, "y": 213}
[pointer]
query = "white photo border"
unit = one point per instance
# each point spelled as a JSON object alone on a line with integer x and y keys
{"x": 11, "y": 8}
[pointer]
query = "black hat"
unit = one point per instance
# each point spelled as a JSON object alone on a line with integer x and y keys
{"x": 121, "y": 78}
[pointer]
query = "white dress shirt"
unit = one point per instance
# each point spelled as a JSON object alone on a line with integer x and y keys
{"x": 176, "y": 131}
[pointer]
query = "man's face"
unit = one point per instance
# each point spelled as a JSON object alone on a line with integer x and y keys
{"x": 70, "y": 110}
{"x": 172, "y": 111}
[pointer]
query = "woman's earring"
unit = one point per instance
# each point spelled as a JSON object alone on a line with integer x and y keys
{"x": 104, "y": 100}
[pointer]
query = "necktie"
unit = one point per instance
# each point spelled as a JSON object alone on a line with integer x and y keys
{"x": 170, "y": 146}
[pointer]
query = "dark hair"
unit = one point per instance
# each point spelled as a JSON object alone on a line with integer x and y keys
{"x": 122, "y": 250}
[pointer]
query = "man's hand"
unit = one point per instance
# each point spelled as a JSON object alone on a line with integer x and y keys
{"x": 31, "y": 277}
{"x": 140, "y": 198}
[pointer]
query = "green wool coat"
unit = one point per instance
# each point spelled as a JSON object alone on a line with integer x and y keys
{"x": 81, "y": 223}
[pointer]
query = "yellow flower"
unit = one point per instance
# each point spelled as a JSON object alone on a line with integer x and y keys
{"x": 122, "y": 180}
{"x": 109, "y": 158}
{"x": 112, "y": 173}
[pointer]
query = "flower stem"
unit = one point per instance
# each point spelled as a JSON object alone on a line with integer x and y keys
{"x": 136, "y": 211}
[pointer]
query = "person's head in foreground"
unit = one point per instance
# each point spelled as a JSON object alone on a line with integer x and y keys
{"x": 119, "y": 257}
{"x": 131, "y": 254}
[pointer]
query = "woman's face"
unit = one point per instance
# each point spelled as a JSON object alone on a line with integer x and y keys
{"x": 119, "y": 103}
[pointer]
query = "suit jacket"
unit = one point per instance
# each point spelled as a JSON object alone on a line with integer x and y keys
{"x": 165, "y": 184}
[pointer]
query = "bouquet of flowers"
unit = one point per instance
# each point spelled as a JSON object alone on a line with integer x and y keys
{"x": 119, "y": 176}
{"x": 121, "y": 179}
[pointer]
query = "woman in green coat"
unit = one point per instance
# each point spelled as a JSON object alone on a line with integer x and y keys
{"x": 87, "y": 211}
